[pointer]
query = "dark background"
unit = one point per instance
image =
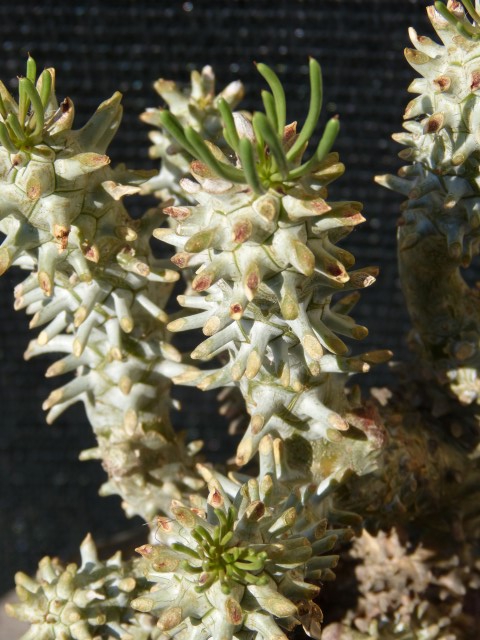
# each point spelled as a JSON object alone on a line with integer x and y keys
{"x": 48, "y": 500}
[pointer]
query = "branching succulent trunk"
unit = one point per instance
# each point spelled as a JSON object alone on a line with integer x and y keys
{"x": 95, "y": 288}
{"x": 440, "y": 219}
{"x": 263, "y": 240}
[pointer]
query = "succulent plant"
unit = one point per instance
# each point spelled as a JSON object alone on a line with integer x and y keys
{"x": 262, "y": 239}
{"x": 440, "y": 223}
{"x": 94, "y": 287}
{"x": 244, "y": 554}
{"x": 85, "y": 602}
{"x": 244, "y": 562}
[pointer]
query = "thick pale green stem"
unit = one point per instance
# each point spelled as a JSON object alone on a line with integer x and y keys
{"x": 444, "y": 310}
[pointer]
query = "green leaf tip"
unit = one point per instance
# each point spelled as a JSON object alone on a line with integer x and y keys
{"x": 175, "y": 129}
{"x": 316, "y": 95}
{"x": 45, "y": 82}
{"x": 31, "y": 69}
{"x": 22, "y": 126}
{"x": 230, "y": 131}
{"x": 278, "y": 94}
{"x": 269, "y": 106}
{"x": 27, "y": 86}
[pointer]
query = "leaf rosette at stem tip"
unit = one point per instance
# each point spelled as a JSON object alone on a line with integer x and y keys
{"x": 268, "y": 152}
{"x": 248, "y": 559}
{"x": 46, "y": 170}
{"x": 22, "y": 125}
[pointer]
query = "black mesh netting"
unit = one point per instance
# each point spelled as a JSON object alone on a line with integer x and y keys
{"x": 48, "y": 500}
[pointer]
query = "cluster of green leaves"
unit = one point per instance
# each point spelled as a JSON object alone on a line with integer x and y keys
{"x": 214, "y": 560}
{"x": 266, "y": 161}
{"x": 23, "y": 123}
